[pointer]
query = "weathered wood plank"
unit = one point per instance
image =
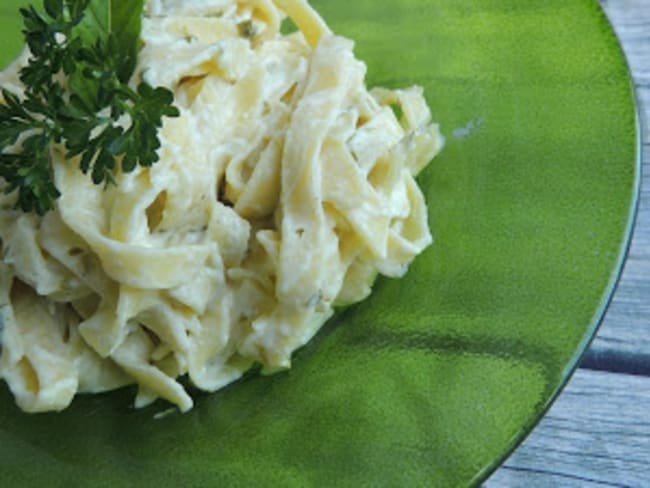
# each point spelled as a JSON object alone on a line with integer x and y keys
{"x": 597, "y": 434}
{"x": 626, "y": 327}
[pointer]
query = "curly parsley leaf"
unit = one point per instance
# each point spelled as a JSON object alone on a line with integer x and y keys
{"x": 77, "y": 94}
{"x": 114, "y": 17}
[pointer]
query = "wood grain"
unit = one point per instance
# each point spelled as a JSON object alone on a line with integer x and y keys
{"x": 597, "y": 434}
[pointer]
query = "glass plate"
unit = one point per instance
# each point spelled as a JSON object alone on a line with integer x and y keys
{"x": 436, "y": 377}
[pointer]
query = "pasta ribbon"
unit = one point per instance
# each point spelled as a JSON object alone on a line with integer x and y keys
{"x": 283, "y": 189}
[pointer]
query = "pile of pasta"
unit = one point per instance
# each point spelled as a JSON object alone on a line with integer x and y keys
{"x": 282, "y": 190}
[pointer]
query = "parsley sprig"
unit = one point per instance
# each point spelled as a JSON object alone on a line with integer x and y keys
{"x": 77, "y": 95}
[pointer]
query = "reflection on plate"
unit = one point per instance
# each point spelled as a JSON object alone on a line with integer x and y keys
{"x": 436, "y": 377}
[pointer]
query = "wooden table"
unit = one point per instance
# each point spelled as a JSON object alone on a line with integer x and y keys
{"x": 597, "y": 434}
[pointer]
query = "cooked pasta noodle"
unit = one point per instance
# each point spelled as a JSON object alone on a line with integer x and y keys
{"x": 282, "y": 190}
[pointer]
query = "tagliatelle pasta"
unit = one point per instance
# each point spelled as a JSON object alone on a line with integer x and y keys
{"x": 282, "y": 190}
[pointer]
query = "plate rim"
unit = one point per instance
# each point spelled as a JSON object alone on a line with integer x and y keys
{"x": 591, "y": 331}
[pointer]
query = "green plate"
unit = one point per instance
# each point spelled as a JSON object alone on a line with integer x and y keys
{"x": 436, "y": 377}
